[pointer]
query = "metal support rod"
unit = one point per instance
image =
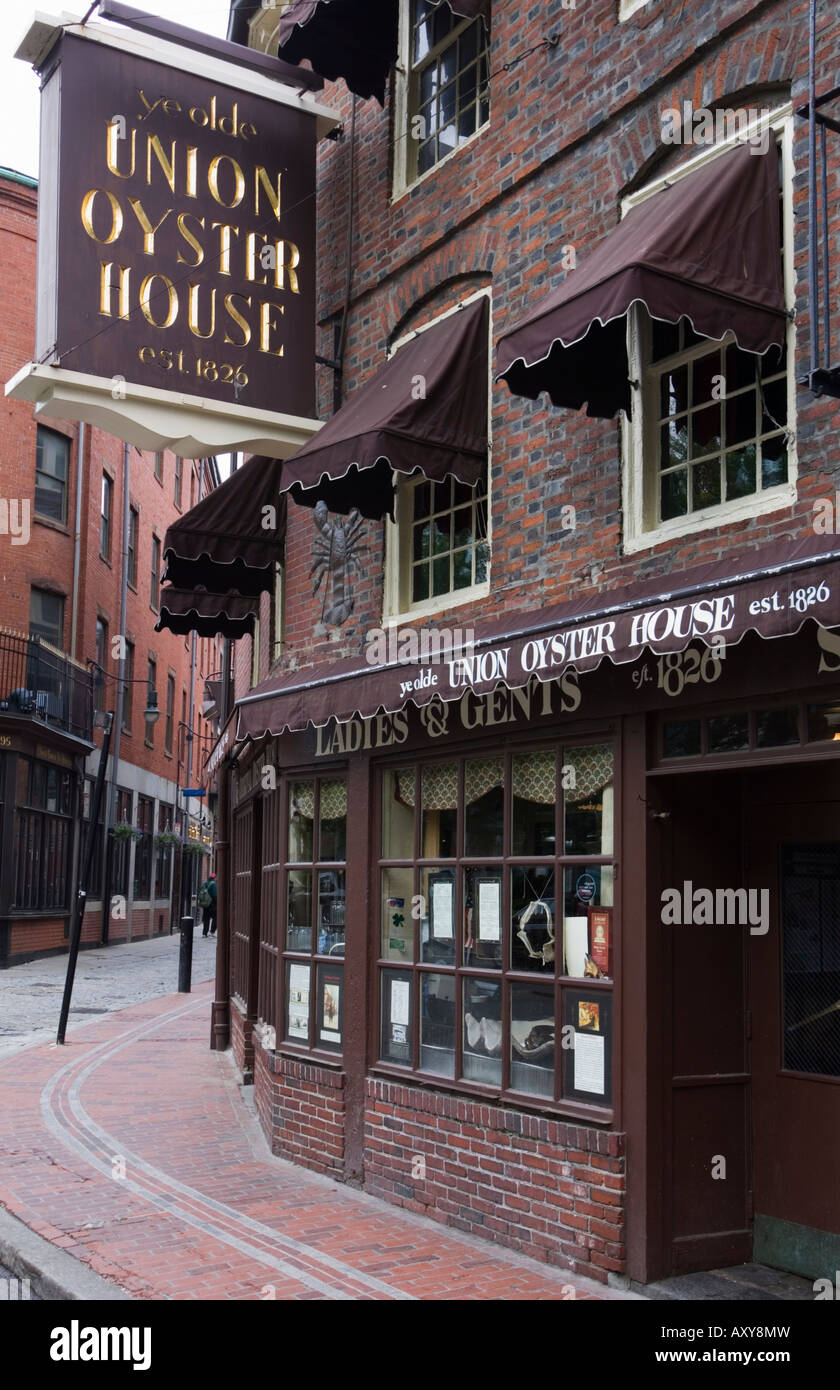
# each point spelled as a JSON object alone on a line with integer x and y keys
{"x": 812, "y": 187}
{"x": 81, "y": 892}
{"x": 826, "y": 280}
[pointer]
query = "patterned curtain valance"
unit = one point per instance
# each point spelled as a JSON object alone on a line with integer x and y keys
{"x": 593, "y": 770}
{"x": 534, "y": 777}
{"x": 333, "y": 800}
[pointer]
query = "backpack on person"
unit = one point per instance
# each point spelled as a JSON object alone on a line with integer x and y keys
{"x": 204, "y": 898}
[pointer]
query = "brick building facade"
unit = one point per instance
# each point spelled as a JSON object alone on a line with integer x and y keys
{"x": 431, "y": 998}
{"x": 71, "y": 562}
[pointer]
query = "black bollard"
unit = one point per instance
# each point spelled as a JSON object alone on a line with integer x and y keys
{"x": 185, "y": 957}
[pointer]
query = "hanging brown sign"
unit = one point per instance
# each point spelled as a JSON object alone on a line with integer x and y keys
{"x": 176, "y": 236}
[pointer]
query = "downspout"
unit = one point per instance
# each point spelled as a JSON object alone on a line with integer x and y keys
{"x": 77, "y": 542}
{"x": 190, "y": 717}
{"x": 115, "y": 762}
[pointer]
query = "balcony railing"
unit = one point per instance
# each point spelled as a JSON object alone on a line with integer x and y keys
{"x": 39, "y": 681}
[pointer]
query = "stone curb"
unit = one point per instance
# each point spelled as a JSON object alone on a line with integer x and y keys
{"x": 55, "y": 1276}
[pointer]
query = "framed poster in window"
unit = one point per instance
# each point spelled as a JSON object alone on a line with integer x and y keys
{"x": 487, "y": 917}
{"x": 587, "y": 1067}
{"x": 330, "y": 1006}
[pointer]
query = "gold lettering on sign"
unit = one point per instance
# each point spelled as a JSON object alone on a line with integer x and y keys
{"x": 262, "y": 181}
{"x": 148, "y": 230}
{"x": 113, "y": 144}
{"x": 105, "y": 289}
{"x": 87, "y": 216}
{"x": 238, "y": 318}
{"x": 193, "y": 312}
{"x": 190, "y": 239}
{"x": 192, "y": 171}
{"x": 213, "y": 180}
{"x": 266, "y": 325}
{"x": 225, "y": 230}
{"x": 146, "y": 297}
{"x": 154, "y": 147}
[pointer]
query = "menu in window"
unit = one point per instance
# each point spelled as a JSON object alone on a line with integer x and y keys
{"x": 489, "y": 910}
{"x": 443, "y": 914}
{"x": 298, "y": 1012}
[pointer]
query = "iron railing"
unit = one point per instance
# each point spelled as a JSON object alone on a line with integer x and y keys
{"x": 38, "y": 680}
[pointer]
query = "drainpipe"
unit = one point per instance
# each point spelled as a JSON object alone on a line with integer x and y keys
{"x": 190, "y": 717}
{"x": 115, "y": 762}
{"x": 220, "y": 1013}
{"x": 77, "y": 542}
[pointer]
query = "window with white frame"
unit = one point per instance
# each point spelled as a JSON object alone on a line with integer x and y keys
{"x": 710, "y": 438}
{"x": 443, "y": 92}
{"x": 438, "y": 550}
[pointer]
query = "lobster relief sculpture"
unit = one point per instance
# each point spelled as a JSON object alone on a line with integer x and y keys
{"x": 335, "y": 555}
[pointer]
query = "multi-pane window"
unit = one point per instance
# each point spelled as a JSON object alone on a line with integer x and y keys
{"x": 43, "y": 837}
{"x": 52, "y": 462}
{"x": 316, "y": 851}
{"x": 133, "y": 527}
{"x": 154, "y": 591}
{"x": 496, "y": 921}
{"x": 151, "y": 677}
{"x": 121, "y": 848}
{"x": 179, "y": 475}
{"x": 711, "y": 433}
{"x": 170, "y": 711}
{"x": 101, "y": 662}
{"x": 46, "y": 616}
{"x": 447, "y": 86}
{"x": 128, "y": 686}
{"x": 720, "y": 418}
{"x": 106, "y": 517}
{"x": 163, "y": 857}
{"x": 143, "y": 848}
{"x": 443, "y": 538}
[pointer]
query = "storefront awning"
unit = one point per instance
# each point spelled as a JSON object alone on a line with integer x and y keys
{"x": 786, "y": 585}
{"x": 706, "y": 248}
{"x": 233, "y": 537}
{"x": 210, "y": 615}
{"x": 425, "y": 409}
{"x": 353, "y": 39}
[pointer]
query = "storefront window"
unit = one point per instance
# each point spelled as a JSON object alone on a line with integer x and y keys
{"x": 496, "y": 887}
{"x": 43, "y": 836}
{"x": 315, "y": 899}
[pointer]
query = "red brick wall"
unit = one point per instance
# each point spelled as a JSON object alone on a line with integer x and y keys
{"x": 552, "y": 1189}
{"x": 301, "y": 1108}
{"x": 572, "y": 130}
{"x": 47, "y": 561}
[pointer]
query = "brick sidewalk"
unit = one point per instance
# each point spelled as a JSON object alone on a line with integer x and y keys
{"x": 131, "y": 1148}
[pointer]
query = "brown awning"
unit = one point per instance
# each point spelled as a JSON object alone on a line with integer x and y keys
{"x": 723, "y": 600}
{"x": 426, "y": 409}
{"x": 230, "y": 540}
{"x": 706, "y": 248}
{"x": 353, "y": 39}
{"x": 210, "y": 615}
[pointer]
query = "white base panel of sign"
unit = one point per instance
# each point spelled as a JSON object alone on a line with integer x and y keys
{"x": 191, "y": 426}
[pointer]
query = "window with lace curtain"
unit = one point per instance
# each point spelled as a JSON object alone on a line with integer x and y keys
{"x": 496, "y": 907}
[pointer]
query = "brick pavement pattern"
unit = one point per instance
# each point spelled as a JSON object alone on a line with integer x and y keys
{"x": 131, "y": 1149}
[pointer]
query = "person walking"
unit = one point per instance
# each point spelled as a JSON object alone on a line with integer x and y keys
{"x": 207, "y": 901}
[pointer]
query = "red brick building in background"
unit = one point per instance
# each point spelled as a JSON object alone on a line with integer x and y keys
{"x": 452, "y": 976}
{"x": 60, "y": 583}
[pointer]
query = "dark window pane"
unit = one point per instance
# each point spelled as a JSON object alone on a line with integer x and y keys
{"x": 706, "y": 484}
{"x": 674, "y": 491}
{"x": 681, "y": 738}
{"x": 775, "y": 727}
{"x": 740, "y": 473}
{"x": 666, "y": 339}
{"x": 484, "y": 806}
{"x": 823, "y": 723}
{"x": 811, "y": 957}
{"x": 728, "y": 733}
